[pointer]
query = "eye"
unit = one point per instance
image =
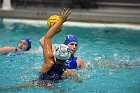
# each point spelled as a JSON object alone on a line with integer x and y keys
{"x": 76, "y": 45}
{"x": 25, "y": 43}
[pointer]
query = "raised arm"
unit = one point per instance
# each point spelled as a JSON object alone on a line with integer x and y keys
{"x": 63, "y": 13}
{"x": 47, "y": 47}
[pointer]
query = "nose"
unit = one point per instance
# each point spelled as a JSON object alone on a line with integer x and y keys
{"x": 21, "y": 44}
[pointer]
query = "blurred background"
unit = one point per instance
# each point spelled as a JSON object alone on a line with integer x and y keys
{"x": 83, "y": 10}
{"x": 82, "y": 4}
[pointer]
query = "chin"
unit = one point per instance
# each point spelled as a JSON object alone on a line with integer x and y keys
{"x": 72, "y": 53}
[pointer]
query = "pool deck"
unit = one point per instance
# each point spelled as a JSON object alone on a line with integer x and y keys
{"x": 111, "y": 15}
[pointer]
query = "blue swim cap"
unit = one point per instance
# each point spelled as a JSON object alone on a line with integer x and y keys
{"x": 70, "y": 38}
{"x": 28, "y": 40}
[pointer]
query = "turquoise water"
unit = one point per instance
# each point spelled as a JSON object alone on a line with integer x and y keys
{"x": 112, "y": 56}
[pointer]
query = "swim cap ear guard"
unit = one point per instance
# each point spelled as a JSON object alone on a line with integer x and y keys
{"x": 70, "y": 38}
{"x": 62, "y": 52}
{"x": 28, "y": 40}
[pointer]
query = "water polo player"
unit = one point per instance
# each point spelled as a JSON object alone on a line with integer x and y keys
{"x": 73, "y": 62}
{"x": 23, "y": 45}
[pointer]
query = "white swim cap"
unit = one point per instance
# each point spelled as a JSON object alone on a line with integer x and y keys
{"x": 62, "y": 52}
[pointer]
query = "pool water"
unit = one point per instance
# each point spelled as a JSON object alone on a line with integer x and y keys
{"x": 111, "y": 53}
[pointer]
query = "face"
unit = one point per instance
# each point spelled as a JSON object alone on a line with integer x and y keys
{"x": 22, "y": 45}
{"x": 73, "y": 47}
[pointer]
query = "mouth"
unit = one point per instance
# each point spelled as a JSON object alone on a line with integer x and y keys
{"x": 20, "y": 48}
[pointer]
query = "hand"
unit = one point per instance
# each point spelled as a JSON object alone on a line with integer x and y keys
{"x": 73, "y": 75}
{"x": 64, "y": 14}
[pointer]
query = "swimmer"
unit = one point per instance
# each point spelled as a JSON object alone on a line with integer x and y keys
{"x": 53, "y": 69}
{"x": 54, "y": 60}
{"x": 73, "y": 62}
{"x": 23, "y": 45}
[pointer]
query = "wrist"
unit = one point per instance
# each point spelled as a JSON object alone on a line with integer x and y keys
{"x": 62, "y": 20}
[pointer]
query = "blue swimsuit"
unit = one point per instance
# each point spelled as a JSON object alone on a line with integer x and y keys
{"x": 71, "y": 63}
{"x": 54, "y": 74}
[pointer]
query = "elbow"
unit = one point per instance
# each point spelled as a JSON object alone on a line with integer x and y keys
{"x": 47, "y": 36}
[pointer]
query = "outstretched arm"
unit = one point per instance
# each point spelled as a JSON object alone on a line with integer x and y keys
{"x": 6, "y": 50}
{"x": 47, "y": 47}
